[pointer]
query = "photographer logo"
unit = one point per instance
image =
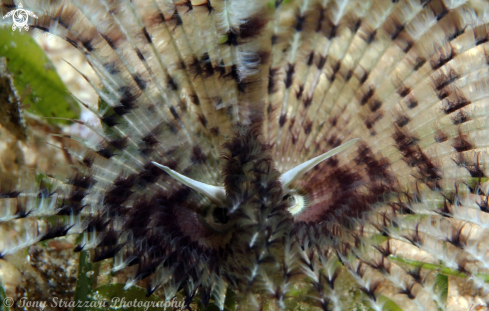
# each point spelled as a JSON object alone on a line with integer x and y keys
{"x": 20, "y": 18}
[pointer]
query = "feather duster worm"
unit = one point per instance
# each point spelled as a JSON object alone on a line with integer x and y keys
{"x": 205, "y": 106}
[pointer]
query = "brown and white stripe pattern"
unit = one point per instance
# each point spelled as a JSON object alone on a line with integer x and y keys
{"x": 233, "y": 92}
